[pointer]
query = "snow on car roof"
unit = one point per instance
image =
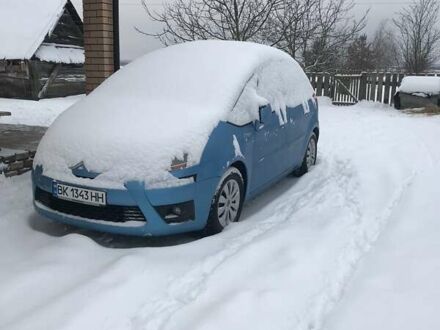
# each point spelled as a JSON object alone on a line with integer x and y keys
{"x": 420, "y": 84}
{"x": 24, "y": 25}
{"x": 208, "y": 74}
{"x": 156, "y": 108}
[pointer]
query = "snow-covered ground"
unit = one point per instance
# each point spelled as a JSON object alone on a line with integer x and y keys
{"x": 35, "y": 113}
{"x": 351, "y": 245}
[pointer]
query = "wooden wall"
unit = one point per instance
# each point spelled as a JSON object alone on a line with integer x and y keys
{"x": 70, "y": 80}
{"x": 15, "y": 79}
{"x": 69, "y": 29}
{"x": 26, "y": 79}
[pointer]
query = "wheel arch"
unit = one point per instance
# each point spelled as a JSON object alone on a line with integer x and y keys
{"x": 316, "y": 131}
{"x": 239, "y": 165}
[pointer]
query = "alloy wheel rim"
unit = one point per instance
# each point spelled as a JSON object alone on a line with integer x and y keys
{"x": 311, "y": 153}
{"x": 228, "y": 202}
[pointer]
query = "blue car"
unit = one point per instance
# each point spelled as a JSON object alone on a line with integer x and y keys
{"x": 178, "y": 140}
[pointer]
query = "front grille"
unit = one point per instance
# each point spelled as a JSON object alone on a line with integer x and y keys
{"x": 113, "y": 213}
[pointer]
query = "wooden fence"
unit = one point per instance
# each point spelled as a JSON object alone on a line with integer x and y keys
{"x": 346, "y": 89}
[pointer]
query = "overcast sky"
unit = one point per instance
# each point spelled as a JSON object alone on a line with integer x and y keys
{"x": 134, "y": 44}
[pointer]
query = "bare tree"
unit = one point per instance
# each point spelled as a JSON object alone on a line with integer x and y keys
{"x": 360, "y": 55}
{"x": 312, "y": 31}
{"x": 385, "y": 48}
{"x": 419, "y": 38}
{"x": 336, "y": 29}
{"x": 292, "y": 25}
{"x": 184, "y": 20}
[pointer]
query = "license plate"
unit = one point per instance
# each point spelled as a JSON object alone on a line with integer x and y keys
{"x": 80, "y": 195}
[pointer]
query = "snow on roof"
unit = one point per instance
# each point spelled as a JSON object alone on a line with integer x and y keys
{"x": 420, "y": 84}
{"x": 24, "y": 25}
{"x": 60, "y": 54}
{"x": 158, "y": 107}
{"x": 78, "y": 4}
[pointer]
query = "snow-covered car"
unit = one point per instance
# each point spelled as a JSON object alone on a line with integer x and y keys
{"x": 418, "y": 92}
{"x": 178, "y": 140}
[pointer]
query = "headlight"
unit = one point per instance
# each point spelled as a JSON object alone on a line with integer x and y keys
{"x": 179, "y": 163}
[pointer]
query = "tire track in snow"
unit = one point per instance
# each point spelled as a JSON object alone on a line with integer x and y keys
{"x": 182, "y": 291}
{"x": 433, "y": 161}
{"x": 365, "y": 234}
{"x": 338, "y": 174}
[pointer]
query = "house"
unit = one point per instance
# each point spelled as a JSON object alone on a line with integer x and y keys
{"x": 41, "y": 49}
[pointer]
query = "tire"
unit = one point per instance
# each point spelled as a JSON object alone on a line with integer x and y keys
{"x": 309, "y": 158}
{"x": 229, "y": 198}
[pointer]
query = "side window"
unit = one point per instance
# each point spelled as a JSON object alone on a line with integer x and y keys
{"x": 265, "y": 114}
{"x": 272, "y": 88}
{"x": 279, "y": 83}
{"x": 246, "y": 109}
{"x": 285, "y": 85}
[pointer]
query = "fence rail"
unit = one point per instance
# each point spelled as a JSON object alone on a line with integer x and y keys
{"x": 346, "y": 89}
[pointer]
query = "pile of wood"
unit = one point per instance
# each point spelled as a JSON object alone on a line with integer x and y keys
{"x": 16, "y": 163}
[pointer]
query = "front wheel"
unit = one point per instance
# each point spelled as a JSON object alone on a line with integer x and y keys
{"x": 309, "y": 158}
{"x": 227, "y": 203}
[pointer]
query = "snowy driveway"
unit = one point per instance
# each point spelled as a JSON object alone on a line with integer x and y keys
{"x": 297, "y": 260}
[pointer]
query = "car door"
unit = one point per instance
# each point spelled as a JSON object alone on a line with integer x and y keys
{"x": 296, "y": 124}
{"x": 269, "y": 160}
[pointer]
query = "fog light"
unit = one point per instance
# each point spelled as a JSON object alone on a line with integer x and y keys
{"x": 177, "y": 211}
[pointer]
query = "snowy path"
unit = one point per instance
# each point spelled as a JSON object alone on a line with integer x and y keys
{"x": 396, "y": 286}
{"x": 298, "y": 251}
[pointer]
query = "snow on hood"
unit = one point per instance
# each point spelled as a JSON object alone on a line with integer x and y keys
{"x": 157, "y": 108}
{"x": 420, "y": 84}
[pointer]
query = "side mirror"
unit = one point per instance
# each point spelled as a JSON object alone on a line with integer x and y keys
{"x": 258, "y": 125}
{"x": 265, "y": 113}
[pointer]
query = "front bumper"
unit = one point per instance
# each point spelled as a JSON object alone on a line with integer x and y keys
{"x": 134, "y": 196}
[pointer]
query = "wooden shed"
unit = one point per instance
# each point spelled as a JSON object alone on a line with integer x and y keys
{"x": 41, "y": 49}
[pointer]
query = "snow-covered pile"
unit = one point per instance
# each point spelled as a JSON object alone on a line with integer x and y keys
{"x": 161, "y": 106}
{"x": 420, "y": 84}
{"x": 35, "y": 113}
{"x": 24, "y": 25}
